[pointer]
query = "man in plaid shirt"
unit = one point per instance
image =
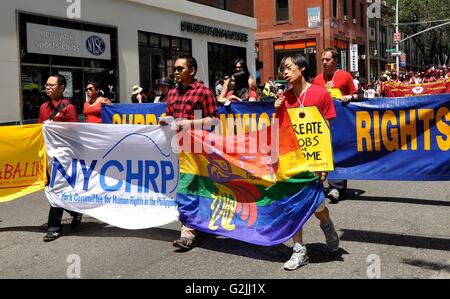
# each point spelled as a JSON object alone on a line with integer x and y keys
{"x": 188, "y": 97}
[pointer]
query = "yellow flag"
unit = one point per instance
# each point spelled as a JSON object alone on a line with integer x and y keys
{"x": 22, "y": 161}
{"x": 314, "y": 137}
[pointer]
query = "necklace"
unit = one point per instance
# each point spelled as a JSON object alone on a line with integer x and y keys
{"x": 302, "y": 113}
{"x": 330, "y": 85}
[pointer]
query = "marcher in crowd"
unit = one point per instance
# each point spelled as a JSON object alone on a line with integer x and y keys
{"x": 165, "y": 85}
{"x": 58, "y": 108}
{"x": 138, "y": 95}
{"x": 92, "y": 109}
{"x": 295, "y": 70}
{"x": 239, "y": 65}
{"x": 342, "y": 82}
{"x": 189, "y": 95}
{"x": 240, "y": 92}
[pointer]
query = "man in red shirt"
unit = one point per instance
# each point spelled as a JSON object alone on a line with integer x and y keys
{"x": 188, "y": 97}
{"x": 295, "y": 70}
{"x": 57, "y": 108}
{"x": 340, "y": 85}
{"x": 332, "y": 78}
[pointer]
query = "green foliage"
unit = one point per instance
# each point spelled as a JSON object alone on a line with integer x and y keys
{"x": 434, "y": 45}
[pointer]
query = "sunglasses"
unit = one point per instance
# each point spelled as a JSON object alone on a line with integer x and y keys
{"x": 89, "y": 89}
{"x": 178, "y": 69}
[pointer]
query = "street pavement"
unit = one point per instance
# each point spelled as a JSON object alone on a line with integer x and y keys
{"x": 387, "y": 230}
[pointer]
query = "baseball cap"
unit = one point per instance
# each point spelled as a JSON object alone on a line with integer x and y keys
{"x": 166, "y": 81}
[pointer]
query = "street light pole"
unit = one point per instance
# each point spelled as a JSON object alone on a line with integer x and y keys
{"x": 397, "y": 48}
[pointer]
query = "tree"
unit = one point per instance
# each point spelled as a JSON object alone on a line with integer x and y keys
{"x": 434, "y": 45}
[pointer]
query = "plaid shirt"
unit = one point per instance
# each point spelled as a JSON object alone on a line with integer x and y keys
{"x": 182, "y": 103}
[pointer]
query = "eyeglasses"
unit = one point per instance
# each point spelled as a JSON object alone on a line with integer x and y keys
{"x": 178, "y": 69}
{"x": 50, "y": 85}
{"x": 89, "y": 89}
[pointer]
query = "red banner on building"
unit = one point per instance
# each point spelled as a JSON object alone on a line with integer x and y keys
{"x": 395, "y": 89}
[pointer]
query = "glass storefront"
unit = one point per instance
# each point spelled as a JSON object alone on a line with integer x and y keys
{"x": 36, "y": 68}
{"x": 157, "y": 54}
{"x": 220, "y": 60}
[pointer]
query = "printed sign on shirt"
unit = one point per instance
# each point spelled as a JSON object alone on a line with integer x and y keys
{"x": 314, "y": 137}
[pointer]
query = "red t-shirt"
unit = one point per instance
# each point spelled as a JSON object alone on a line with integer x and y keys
{"x": 67, "y": 114}
{"x": 93, "y": 113}
{"x": 315, "y": 96}
{"x": 342, "y": 80}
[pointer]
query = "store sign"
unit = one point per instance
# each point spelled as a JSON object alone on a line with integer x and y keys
{"x": 344, "y": 60}
{"x": 214, "y": 31}
{"x": 59, "y": 41}
{"x": 314, "y": 17}
{"x": 353, "y": 57}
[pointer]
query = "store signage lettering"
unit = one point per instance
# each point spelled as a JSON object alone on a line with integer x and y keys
{"x": 214, "y": 31}
{"x": 95, "y": 45}
{"x": 50, "y": 40}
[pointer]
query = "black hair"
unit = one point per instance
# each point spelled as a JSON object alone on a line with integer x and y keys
{"x": 61, "y": 79}
{"x": 299, "y": 60}
{"x": 95, "y": 84}
{"x": 190, "y": 61}
{"x": 241, "y": 62}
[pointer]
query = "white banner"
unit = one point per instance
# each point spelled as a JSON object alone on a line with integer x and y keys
{"x": 124, "y": 175}
{"x": 50, "y": 40}
{"x": 353, "y": 57}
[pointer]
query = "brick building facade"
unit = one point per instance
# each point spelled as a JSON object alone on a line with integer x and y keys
{"x": 286, "y": 26}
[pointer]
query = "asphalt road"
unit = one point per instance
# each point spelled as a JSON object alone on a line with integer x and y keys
{"x": 387, "y": 230}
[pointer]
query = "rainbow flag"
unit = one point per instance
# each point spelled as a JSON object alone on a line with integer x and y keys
{"x": 229, "y": 188}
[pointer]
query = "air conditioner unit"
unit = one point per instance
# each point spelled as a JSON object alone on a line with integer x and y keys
{"x": 354, "y": 21}
{"x": 345, "y": 18}
{"x": 309, "y": 50}
{"x": 363, "y": 57}
{"x": 375, "y": 52}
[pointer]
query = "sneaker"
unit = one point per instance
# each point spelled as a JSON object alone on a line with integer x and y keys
{"x": 333, "y": 195}
{"x": 299, "y": 258}
{"x": 183, "y": 243}
{"x": 331, "y": 236}
{"x": 76, "y": 221}
{"x": 51, "y": 236}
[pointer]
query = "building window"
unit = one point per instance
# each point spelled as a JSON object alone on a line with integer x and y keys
{"x": 220, "y": 60}
{"x": 362, "y": 13}
{"x": 222, "y": 4}
{"x": 157, "y": 54}
{"x": 344, "y": 7}
{"x": 354, "y": 11}
{"x": 35, "y": 68}
{"x": 282, "y": 8}
{"x": 335, "y": 8}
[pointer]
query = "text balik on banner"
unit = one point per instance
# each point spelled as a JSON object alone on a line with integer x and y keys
{"x": 22, "y": 161}
{"x": 125, "y": 175}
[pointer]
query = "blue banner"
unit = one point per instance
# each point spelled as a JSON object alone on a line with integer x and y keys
{"x": 378, "y": 139}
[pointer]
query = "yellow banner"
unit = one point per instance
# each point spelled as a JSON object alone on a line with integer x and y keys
{"x": 314, "y": 137}
{"x": 22, "y": 161}
{"x": 335, "y": 93}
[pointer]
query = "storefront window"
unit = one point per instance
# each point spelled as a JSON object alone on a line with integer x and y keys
{"x": 220, "y": 60}
{"x": 36, "y": 68}
{"x": 157, "y": 56}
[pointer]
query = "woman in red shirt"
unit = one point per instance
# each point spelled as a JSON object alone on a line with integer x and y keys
{"x": 93, "y": 106}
